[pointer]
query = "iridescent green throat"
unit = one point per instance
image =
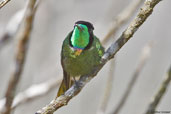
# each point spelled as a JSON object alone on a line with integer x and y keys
{"x": 80, "y": 38}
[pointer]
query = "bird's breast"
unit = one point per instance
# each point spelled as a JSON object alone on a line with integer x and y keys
{"x": 81, "y": 64}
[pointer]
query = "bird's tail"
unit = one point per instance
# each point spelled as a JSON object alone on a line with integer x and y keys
{"x": 65, "y": 85}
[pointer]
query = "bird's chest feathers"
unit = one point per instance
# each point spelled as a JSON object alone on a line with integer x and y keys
{"x": 77, "y": 64}
{"x": 76, "y": 53}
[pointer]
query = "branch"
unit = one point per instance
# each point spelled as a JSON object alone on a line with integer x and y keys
{"x": 12, "y": 27}
{"x": 122, "y": 18}
{"x": 108, "y": 89}
{"x": 32, "y": 93}
{"x": 35, "y": 91}
{"x": 62, "y": 100}
{"x": 3, "y": 3}
{"x": 23, "y": 36}
{"x": 143, "y": 59}
{"x": 158, "y": 96}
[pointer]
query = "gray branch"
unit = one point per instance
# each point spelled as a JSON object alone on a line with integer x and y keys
{"x": 143, "y": 60}
{"x": 11, "y": 28}
{"x": 62, "y": 100}
{"x": 108, "y": 89}
{"x": 23, "y": 36}
{"x": 122, "y": 18}
{"x": 32, "y": 93}
{"x": 158, "y": 96}
{"x": 13, "y": 25}
{"x": 3, "y": 3}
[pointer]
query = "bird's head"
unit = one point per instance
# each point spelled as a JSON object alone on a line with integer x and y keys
{"x": 82, "y": 35}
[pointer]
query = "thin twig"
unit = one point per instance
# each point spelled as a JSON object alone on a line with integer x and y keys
{"x": 108, "y": 88}
{"x": 23, "y": 36}
{"x": 33, "y": 92}
{"x": 3, "y": 3}
{"x": 158, "y": 96}
{"x": 62, "y": 100}
{"x": 13, "y": 25}
{"x": 143, "y": 59}
{"x": 122, "y": 18}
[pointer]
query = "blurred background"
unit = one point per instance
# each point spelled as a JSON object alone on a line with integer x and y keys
{"x": 55, "y": 19}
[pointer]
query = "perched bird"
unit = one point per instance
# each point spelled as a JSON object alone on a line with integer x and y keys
{"x": 81, "y": 52}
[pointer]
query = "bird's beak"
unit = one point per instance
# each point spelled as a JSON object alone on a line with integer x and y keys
{"x": 80, "y": 28}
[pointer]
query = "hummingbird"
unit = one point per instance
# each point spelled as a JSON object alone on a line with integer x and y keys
{"x": 81, "y": 52}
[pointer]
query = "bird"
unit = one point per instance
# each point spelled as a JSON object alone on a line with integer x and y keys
{"x": 81, "y": 52}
